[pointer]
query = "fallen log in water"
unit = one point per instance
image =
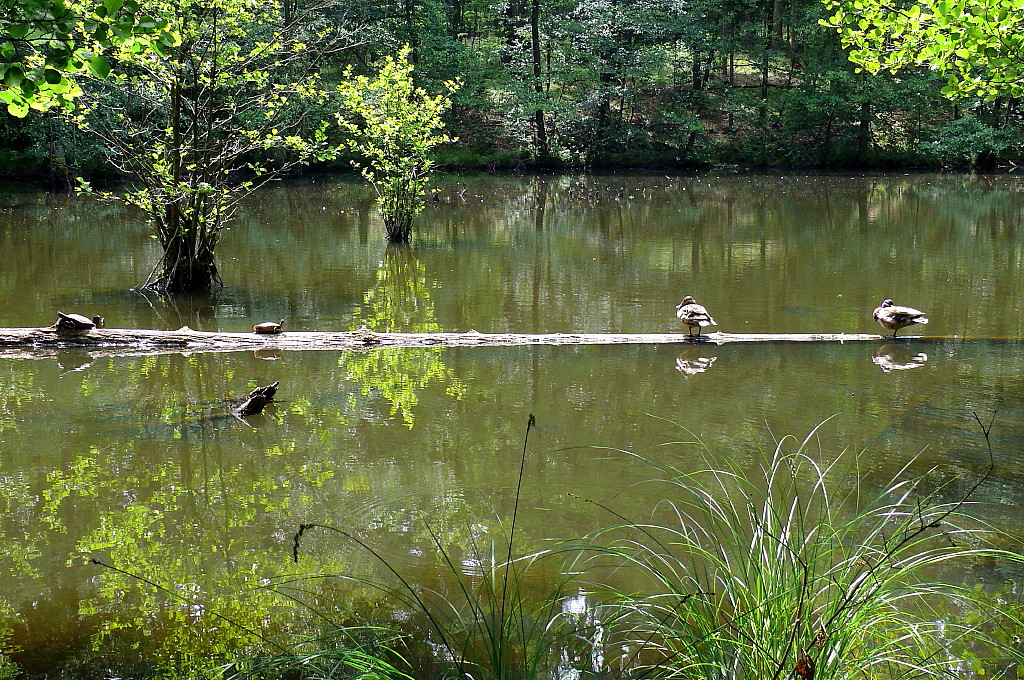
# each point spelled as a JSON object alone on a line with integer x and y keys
{"x": 257, "y": 400}
{"x": 141, "y": 341}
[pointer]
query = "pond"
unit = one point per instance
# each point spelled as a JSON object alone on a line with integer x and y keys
{"x": 134, "y": 460}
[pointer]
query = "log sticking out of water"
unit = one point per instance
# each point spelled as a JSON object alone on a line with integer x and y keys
{"x": 187, "y": 339}
{"x": 257, "y": 400}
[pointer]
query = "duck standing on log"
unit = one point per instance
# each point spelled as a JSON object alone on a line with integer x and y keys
{"x": 693, "y": 315}
{"x": 895, "y": 317}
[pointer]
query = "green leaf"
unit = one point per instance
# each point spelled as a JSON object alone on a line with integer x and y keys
{"x": 17, "y": 30}
{"x": 99, "y": 67}
{"x": 58, "y": 59}
{"x": 14, "y": 76}
{"x": 123, "y": 29}
{"x": 112, "y": 5}
{"x": 52, "y": 76}
{"x": 17, "y": 109}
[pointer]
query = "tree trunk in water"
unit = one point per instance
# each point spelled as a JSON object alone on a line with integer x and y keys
{"x": 398, "y": 226}
{"x": 186, "y": 267}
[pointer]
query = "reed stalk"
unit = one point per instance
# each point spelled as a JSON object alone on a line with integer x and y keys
{"x": 787, "y": 570}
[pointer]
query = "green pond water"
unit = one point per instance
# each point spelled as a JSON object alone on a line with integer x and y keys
{"x": 134, "y": 461}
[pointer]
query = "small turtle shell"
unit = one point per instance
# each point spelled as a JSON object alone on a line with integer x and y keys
{"x": 73, "y": 322}
{"x": 268, "y": 327}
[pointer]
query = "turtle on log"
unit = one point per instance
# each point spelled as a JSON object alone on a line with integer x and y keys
{"x": 268, "y": 327}
{"x": 73, "y": 322}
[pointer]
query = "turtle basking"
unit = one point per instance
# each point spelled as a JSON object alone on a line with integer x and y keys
{"x": 73, "y": 322}
{"x": 268, "y": 327}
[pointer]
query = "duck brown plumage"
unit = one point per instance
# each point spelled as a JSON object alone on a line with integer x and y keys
{"x": 693, "y": 315}
{"x": 895, "y": 317}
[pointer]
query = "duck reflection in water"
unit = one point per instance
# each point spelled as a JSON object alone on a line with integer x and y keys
{"x": 896, "y": 358}
{"x": 690, "y": 362}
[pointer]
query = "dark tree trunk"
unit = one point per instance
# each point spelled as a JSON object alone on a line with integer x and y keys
{"x": 187, "y": 266}
{"x": 603, "y": 120}
{"x": 410, "y": 27}
{"x": 543, "y": 152}
{"x": 457, "y": 18}
{"x": 864, "y": 136}
{"x": 777, "y": 24}
{"x": 511, "y": 21}
{"x": 826, "y": 147}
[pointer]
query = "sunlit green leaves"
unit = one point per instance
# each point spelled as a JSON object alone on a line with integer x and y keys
{"x": 977, "y": 44}
{"x": 393, "y": 125}
{"x": 241, "y": 86}
{"x": 44, "y": 44}
{"x": 99, "y": 67}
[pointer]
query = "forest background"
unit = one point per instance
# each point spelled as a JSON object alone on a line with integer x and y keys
{"x": 611, "y": 84}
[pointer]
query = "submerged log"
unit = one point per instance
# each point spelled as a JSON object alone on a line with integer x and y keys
{"x": 144, "y": 341}
{"x": 257, "y": 400}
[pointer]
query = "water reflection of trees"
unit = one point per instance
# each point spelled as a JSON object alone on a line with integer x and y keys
{"x": 401, "y": 300}
{"x": 570, "y": 253}
{"x": 202, "y": 507}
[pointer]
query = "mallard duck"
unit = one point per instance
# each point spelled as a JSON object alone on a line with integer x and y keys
{"x": 895, "y": 317}
{"x": 693, "y": 315}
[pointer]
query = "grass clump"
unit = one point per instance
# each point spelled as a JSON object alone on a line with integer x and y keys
{"x": 344, "y": 653}
{"x": 786, "y": 570}
{"x": 492, "y": 624}
{"x": 793, "y": 568}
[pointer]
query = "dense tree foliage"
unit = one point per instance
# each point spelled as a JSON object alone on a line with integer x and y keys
{"x": 203, "y": 124}
{"x": 393, "y": 126}
{"x": 657, "y": 84}
{"x": 977, "y": 44}
{"x": 44, "y": 43}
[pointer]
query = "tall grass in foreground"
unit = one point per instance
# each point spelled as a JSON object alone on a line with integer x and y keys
{"x": 786, "y": 570}
{"x": 490, "y": 626}
{"x": 349, "y": 653}
{"x": 791, "y": 568}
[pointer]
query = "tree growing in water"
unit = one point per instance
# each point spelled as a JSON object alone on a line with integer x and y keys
{"x": 188, "y": 121}
{"x": 394, "y": 125}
